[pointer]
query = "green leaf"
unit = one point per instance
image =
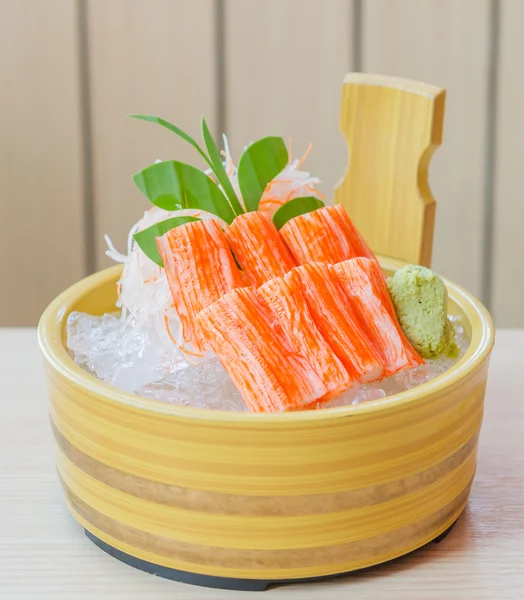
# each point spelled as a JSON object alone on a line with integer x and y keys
{"x": 146, "y": 238}
{"x": 173, "y": 185}
{"x": 218, "y": 169}
{"x": 185, "y": 136}
{"x": 260, "y": 163}
{"x": 160, "y": 183}
{"x": 294, "y": 208}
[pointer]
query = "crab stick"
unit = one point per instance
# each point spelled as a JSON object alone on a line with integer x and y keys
{"x": 378, "y": 282}
{"x": 258, "y": 356}
{"x": 375, "y": 320}
{"x": 258, "y": 247}
{"x": 199, "y": 269}
{"x": 328, "y": 304}
{"x": 380, "y": 289}
{"x": 289, "y": 305}
{"x": 324, "y": 235}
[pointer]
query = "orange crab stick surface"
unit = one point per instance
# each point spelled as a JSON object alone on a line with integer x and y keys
{"x": 374, "y": 318}
{"x": 333, "y": 316}
{"x": 249, "y": 342}
{"x": 258, "y": 247}
{"x": 377, "y": 280}
{"x": 289, "y": 305}
{"x": 324, "y": 235}
{"x": 199, "y": 269}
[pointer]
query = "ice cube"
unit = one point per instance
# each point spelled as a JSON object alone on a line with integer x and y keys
{"x": 137, "y": 359}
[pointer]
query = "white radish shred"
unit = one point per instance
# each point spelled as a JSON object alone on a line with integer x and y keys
{"x": 144, "y": 294}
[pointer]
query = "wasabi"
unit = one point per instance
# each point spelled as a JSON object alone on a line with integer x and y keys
{"x": 421, "y": 303}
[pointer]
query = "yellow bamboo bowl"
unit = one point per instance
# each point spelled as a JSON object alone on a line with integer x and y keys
{"x": 263, "y": 497}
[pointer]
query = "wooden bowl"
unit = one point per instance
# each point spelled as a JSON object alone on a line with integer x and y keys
{"x": 242, "y": 499}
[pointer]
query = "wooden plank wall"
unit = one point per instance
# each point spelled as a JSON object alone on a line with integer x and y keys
{"x": 71, "y": 71}
{"x": 155, "y": 58}
{"x": 284, "y": 64}
{"x": 507, "y": 289}
{"x": 41, "y": 157}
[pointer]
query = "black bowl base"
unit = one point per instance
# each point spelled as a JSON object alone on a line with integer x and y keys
{"x": 210, "y": 581}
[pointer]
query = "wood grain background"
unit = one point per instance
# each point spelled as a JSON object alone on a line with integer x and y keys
{"x": 71, "y": 70}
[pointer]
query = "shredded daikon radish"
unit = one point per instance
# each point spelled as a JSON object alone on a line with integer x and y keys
{"x": 144, "y": 294}
{"x": 290, "y": 183}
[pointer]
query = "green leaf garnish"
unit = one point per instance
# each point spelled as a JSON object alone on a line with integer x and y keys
{"x": 146, "y": 238}
{"x": 160, "y": 183}
{"x": 260, "y": 163}
{"x": 173, "y": 185}
{"x": 185, "y": 136}
{"x": 218, "y": 169}
{"x": 294, "y": 208}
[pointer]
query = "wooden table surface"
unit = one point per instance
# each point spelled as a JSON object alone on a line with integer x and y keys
{"x": 44, "y": 554}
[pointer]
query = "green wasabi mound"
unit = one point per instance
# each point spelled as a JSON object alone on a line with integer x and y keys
{"x": 421, "y": 303}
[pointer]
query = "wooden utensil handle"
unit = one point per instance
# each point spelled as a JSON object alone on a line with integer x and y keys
{"x": 392, "y": 127}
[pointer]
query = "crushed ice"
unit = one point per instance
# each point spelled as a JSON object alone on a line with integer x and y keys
{"x": 135, "y": 359}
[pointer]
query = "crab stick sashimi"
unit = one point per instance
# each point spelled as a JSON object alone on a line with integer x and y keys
{"x": 375, "y": 320}
{"x": 249, "y": 342}
{"x": 380, "y": 289}
{"x": 379, "y": 284}
{"x": 199, "y": 269}
{"x": 258, "y": 247}
{"x": 328, "y": 304}
{"x": 325, "y": 235}
{"x": 377, "y": 279}
{"x": 289, "y": 305}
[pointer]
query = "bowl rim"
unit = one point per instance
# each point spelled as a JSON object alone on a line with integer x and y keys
{"x": 51, "y": 344}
